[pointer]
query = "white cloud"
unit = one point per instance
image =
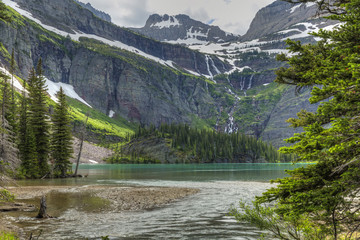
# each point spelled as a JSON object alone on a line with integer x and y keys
{"x": 125, "y": 13}
{"x": 231, "y": 16}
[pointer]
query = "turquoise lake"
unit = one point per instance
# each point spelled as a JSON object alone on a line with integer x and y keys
{"x": 200, "y": 216}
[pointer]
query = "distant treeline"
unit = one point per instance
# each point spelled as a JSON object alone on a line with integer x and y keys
{"x": 206, "y": 146}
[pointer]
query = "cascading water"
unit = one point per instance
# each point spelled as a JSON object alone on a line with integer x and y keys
{"x": 242, "y": 83}
{"x": 208, "y": 62}
{"x": 195, "y": 63}
{"x": 208, "y": 67}
{"x": 250, "y": 82}
{"x": 229, "y": 81}
{"x": 231, "y": 127}
{"x": 213, "y": 65}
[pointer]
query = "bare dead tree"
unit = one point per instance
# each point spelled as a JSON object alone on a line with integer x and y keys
{"x": 83, "y": 131}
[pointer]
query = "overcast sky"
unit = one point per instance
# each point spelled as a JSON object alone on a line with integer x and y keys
{"x": 230, "y": 15}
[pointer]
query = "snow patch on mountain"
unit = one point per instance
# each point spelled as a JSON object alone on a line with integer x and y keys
{"x": 193, "y": 73}
{"x": 293, "y": 9}
{"x": 53, "y": 88}
{"x": 188, "y": 41}
{"x": 297, "y": 6}
{"x": 289, "y": 30}
{"x": 310, "y": 28}
{"x": 111, "y": 114}
{"x": 310, "y": 4}
{"x": 228, "y": 48}
{"x": 193, "y": 33}
{"x": 171, "y": 22}
{"x": 76, "y": 36}
{"x": 17, "y": 83}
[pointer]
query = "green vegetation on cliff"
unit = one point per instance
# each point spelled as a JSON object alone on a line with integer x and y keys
{"x": 100, "y": 128}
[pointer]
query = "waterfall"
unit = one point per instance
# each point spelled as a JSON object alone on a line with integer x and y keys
{"x": 213, "y": 65}
{"x": 195, "y": 63}
{"x": 242, "y": 83}
{"x": 208, "y": 66}
{"x": 227, "y": 77}
{"x": 230, "y": 126}
{"x": 251, "y": 78}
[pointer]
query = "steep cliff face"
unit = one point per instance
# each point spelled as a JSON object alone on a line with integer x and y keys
{"x": 280, "y": 16}
{"x": 69, "y": 17}
{"x": 145, "y": 81}
{"x": 108, "y": 78}
{"x": 277, "y": 129}
{"x": 183, "y": 30}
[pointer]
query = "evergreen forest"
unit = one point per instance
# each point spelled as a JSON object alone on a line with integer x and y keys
{"x": 191, "y": 145}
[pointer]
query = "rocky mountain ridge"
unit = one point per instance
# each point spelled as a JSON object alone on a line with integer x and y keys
{"x": 146, "y": 81}
{"x": 182, "y": 29}
{"x": 104, "y": 16}
{"x": 278, "y": 16}
{"x": 108, "y": 78}
{"x": 69, "y": 19}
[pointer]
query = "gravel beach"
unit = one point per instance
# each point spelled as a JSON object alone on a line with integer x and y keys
{"x": 117, "y": 198}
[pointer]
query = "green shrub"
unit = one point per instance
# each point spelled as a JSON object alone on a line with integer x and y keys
{"x": 8, "y": 236}
{"x": 6, "y": 196}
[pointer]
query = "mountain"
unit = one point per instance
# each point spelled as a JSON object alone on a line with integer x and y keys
{"x": 225, "y": 86}
{"x": 69, "y": 19}
{"x": 123, "y": 80}
{"x": 96, "y": 12}
{"x": 279, "y": 16}
{"x": 183, "y": 30}
{"x": 254, "y": 61}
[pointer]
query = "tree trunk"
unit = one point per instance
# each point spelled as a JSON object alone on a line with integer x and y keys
{"x": 81, "y": 144}
{"x": 42, "y": 212}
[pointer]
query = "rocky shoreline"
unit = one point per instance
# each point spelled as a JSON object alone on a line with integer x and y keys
{"x": 112, "y": 198}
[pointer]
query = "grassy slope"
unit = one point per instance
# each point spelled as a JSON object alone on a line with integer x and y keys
{"x": 99, "y": 122}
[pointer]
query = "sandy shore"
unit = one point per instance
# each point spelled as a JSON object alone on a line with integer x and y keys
{"x": 117, "y": 198}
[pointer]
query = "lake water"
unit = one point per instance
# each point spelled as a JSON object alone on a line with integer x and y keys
{"x": 200, "y": 216}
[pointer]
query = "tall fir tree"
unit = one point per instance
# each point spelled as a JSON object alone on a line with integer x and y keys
{"x": 8, "y": 150}
{"x": 61, "y": 141}
{"x": 320, "y": 201}
{"x": 26, "y": 139}
{"x": 12, "y": 112}
{"x": 38, "y": 117}
{"x": 4, "y": 109}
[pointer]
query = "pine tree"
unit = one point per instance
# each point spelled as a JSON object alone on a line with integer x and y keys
{"x": 4, "y": 109}
{"x": 8, "y": 151}
{"x": 12, "y": 112}
{"x": 320, "y": 201}
{"x": 38, "y": 117}
{"x": 26, "y": 142}
{"x": 61, "y": 149}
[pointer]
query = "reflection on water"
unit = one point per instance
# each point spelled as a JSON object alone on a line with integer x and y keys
{"x": 201, "y": 216}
